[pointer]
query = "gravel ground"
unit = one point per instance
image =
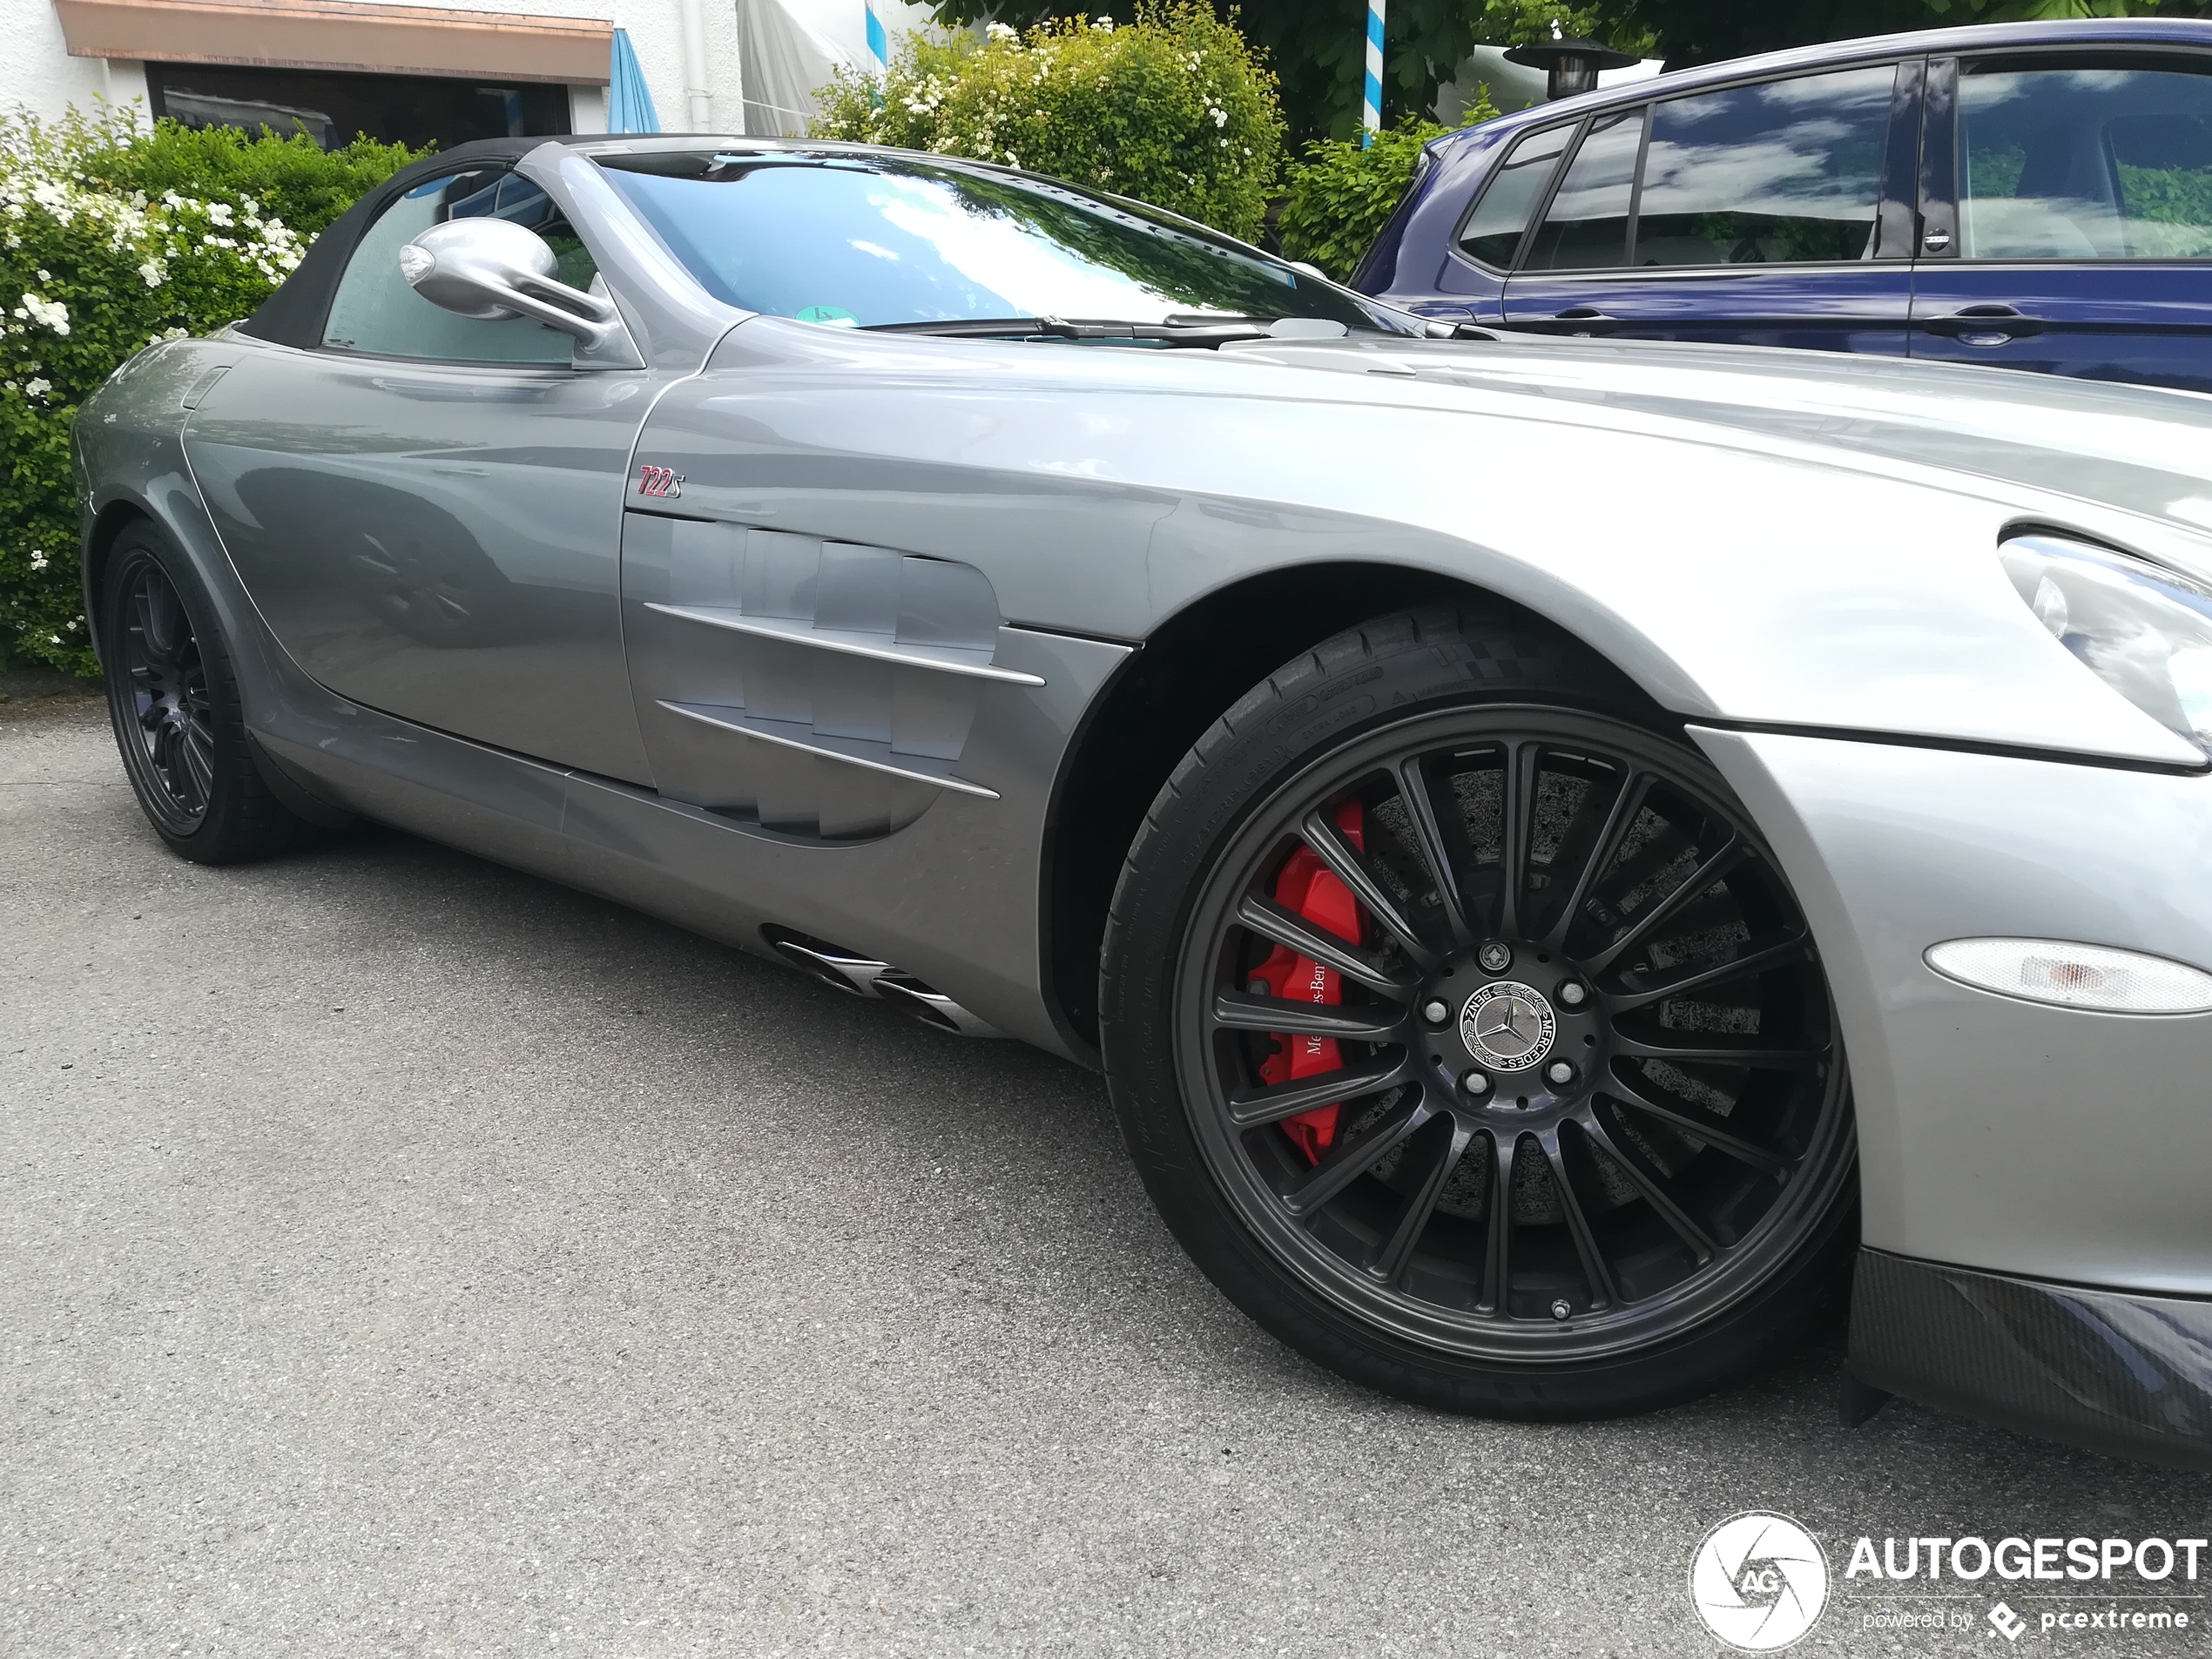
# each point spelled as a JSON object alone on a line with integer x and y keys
{"x": 404, "y": 1256}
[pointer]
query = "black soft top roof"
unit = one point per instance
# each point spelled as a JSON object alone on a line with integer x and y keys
{"x": 294, "y": 314}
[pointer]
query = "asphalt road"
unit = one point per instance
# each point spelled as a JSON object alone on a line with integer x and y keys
{"x": 400, "y": 1254}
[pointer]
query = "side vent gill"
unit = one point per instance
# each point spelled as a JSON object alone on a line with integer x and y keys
{"x": 819, "y": 688}
{"x": 858, "y": 975}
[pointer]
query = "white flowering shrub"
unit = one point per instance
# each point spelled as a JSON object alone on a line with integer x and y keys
{"x": 1173, "y": 108}
{"x": 113, "y": 236}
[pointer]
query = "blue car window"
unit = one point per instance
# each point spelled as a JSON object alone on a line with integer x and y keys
{"x": 1788, "y": 171}
{"x": 1493, "y": 229}
{"x": 872, "y": 241}
{"x": 1585, "y": 228}
{"x": 2083, "y": 163}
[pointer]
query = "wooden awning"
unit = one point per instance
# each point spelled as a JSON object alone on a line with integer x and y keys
{"x": 342, "y": 35}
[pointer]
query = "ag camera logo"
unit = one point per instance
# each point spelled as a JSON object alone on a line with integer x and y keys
{"x": 1758, "y": 1582}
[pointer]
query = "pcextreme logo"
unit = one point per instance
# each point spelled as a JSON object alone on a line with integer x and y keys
{"x": 1758, "y": 1582}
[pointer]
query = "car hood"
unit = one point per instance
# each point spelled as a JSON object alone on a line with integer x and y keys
{"x": 2140, "y": 450}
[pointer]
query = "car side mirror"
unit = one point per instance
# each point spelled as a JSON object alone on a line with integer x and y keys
{"x": 494, "y": 269}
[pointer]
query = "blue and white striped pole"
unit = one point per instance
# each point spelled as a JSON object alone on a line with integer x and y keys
{"x": 1371, "y": 114}
{"x": 879, "y": 43}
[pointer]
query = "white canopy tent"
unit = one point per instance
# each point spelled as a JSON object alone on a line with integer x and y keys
{"x": 1512, "y": 87}
{"x": 788, "y": 49}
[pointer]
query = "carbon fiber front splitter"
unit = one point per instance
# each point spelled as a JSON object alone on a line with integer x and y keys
{"x": 2126, "y": 1375}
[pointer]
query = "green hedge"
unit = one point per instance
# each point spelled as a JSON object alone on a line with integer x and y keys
{"x": 1172, "y": 109}
{"x": 1341, "y": 196}
{"x": 112, "y": 237}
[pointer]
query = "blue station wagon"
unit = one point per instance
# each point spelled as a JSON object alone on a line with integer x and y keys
{"x": 2032, "y": 195}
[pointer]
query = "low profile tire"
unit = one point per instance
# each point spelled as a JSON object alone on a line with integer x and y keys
{"x": 174, "y": 702}
{"x": 1466, "y": 1034}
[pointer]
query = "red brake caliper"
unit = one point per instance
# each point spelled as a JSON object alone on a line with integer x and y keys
{"x": 1309, "y": 887}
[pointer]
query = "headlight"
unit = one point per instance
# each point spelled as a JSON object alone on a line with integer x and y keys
{"x": 2145, "y": 630}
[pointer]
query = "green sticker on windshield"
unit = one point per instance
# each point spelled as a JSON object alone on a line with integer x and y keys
{"x": 831, "y": 316}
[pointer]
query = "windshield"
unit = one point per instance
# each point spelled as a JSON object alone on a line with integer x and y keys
{"x": 873, "y": 241}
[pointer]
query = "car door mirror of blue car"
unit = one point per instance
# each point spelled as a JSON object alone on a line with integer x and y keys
{"x": 493, "y": 269}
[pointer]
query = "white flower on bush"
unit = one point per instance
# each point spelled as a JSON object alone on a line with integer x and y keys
{"x": 1002, "y": 33}
{"x": 47, "y": 313}
{"x": 36, "y": 388}
{"x": 153, "y": 234}
{"x": 38, "y": 558}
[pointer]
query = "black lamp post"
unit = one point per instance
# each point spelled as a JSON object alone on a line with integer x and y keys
{"x": 1573, "y": 64}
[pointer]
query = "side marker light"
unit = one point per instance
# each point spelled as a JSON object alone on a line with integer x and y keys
{"x": 2067, "y": 975}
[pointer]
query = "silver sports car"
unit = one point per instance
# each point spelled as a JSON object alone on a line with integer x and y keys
{"x": 1571, "y": 856}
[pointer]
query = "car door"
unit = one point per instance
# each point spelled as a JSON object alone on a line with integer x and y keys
{"x": 2068, "y": 217}
{"x": 1772, "y": 213}
{"x": 427, "y": 509}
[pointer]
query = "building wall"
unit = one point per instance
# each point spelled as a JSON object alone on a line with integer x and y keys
{"x": 657, "y": 34}
{"x": 37, "y": 73}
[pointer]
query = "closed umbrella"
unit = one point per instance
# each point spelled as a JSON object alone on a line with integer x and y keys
{"x": 630, "y": 104}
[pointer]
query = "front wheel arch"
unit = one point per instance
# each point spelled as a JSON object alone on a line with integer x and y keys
{"x": 1192, "y": 667}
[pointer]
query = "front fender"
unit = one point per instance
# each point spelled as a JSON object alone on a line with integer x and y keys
{"x": 1739, "y": 576}
{"x": 1737, "y": 580}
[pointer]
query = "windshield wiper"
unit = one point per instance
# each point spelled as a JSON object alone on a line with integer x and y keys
{"x": 1176, "y": 331}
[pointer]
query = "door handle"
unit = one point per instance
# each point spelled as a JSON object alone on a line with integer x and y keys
{"x": 1986, "y": 325}
{"x": 1586, "y": 314}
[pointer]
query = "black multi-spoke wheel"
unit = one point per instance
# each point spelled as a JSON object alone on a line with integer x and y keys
{"x": 175, "y": 708}
{"x": 170, "y": 721}
{"x": 1479, "y": 1048}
